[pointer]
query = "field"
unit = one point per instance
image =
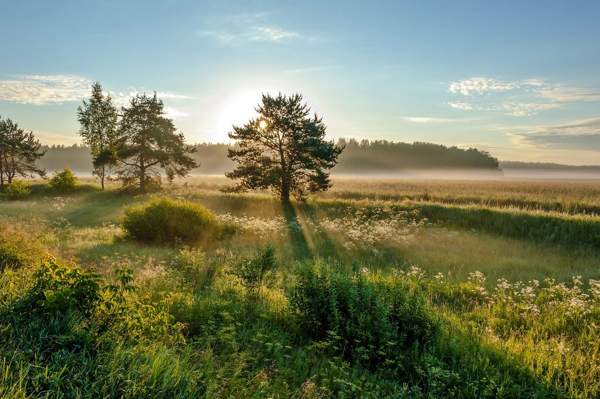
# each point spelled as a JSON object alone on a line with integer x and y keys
{"x": 501, "y": 276}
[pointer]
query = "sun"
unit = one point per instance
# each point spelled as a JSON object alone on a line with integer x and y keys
{"x": 236, "y": 109}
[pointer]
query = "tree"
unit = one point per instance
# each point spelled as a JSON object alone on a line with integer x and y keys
{"x": 149, "y": 144}
{"x": 98, "y": 119}
{"x": 284, "y": 149}
{"x": 19, "y": 151}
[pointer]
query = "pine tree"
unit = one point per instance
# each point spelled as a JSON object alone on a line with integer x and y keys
{"x": 148, "y": 144}
{"x": 19, "y": 151}
{"x": 284, "y": 149}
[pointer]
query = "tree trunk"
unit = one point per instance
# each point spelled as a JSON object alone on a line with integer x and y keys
{"x": 285, "y": 192}
{"x": 102, "y": 178}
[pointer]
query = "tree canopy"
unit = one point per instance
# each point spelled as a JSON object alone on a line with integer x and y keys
{"x": 19, "y": 151}
{"x": 148, "y": 144}
{"x": 98, "y": 119}
{"x": 284, "y": 149}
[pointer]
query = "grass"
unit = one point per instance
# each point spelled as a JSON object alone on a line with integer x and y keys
{"x": 191, "y": 322}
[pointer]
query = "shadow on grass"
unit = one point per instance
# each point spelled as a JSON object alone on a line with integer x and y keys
{"x": 297, "y": 233}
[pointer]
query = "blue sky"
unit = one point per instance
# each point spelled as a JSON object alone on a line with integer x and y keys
{"x": 520, "y": 79}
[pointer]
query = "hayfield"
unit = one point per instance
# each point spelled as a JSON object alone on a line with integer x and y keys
{"x": 500, "y": 276}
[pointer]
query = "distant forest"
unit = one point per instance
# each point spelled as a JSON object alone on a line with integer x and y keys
{"x": 358, "y": 157}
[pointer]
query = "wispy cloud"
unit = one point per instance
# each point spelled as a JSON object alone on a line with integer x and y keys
{"x": 59, "y": 89}
{"x": 517, "y": 98}
{"x": 311, "y": 69}
{"x": 245, "y": 28}
{"x": 480, "y": 85}
{"x": 44, "y": 89}
{"x": 429, "y": 119}
{"x": 576, "y": 135}
{"x": 174, "y": 113}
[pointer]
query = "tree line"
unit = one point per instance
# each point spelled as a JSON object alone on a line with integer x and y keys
{"x": 358, "y": 157}
{"x": 283, "y": 149}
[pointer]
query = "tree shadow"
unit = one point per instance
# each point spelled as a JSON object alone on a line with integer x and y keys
{"x": 297, "y": 232}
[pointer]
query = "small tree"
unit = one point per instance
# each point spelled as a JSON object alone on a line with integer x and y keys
{"x": 148, "y": 144}
{"x": 19, "y": 151}
{"x": 284, "y": 149}
{"x": 98, "y": 119}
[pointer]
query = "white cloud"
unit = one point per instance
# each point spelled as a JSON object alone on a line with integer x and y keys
{"x": 272, "y": 34}
{"x": 480, "y": 85}
{"x": 44, "y": 89}
{"x": 517, "y": 98}
{"x": 575, "y": 135}
{"x": 527, "y": 109}
{"x": 461, "y": 105}
{"x": 244, "y": 28}
{"x": 174, "y": 113}
{"x": 58, "y": 89}
{"x": 427, "y": 119}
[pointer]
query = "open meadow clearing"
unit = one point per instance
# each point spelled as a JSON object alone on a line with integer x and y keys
{"x": 498, "y": 310}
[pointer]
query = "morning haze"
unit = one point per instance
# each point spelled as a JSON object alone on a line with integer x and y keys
{"x": 299, "y": 200}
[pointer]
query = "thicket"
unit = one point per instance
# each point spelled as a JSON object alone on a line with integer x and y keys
{"x": 169, "y": 221}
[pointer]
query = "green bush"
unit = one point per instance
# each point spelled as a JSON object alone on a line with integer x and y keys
{"x": 364, "y": 323}
{"x": 17, "y": 250}
{"x": 64, "y": 181}
{"x": 168, "y": 221}
{"x": 253, "y": 271}
{"x": 18, "y": 189}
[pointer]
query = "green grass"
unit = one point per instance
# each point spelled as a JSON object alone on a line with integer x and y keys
{"x": 188, "y": 323}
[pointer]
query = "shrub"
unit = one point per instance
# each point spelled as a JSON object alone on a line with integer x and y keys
{"x": 18, "y": 189}
{"x": 17, "y": 250}
{"x": 168, "y": 221}
{"x": 253, "y": 271}
{"x": 59, "y": 289}
{"x": 193, "y": 268}
{"x": 364, "y": 323}
{"x": 64, "y": 181}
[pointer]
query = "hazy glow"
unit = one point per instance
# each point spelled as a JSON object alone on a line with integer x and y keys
{"x": 236, "y": 110}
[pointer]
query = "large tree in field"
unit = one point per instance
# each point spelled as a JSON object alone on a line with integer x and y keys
{"x": 283, "y": 149}
{"x": 149, "y": 145}
{"x": 98, "y": 119}
{"x": 19, "y": 151}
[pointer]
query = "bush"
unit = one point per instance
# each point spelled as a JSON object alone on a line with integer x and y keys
{"x": 364, "y": 323}
{"x": 64, "y": 181}
{"x": 168, "y": 221}
{"x": 17, "y": 250}
{"x": 253, "y": 271}
{"x": 18, "y": 189}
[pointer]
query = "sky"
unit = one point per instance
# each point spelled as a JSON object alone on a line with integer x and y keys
{"x": 520, "y": 79}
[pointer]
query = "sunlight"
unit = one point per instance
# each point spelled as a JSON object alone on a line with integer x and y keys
{"x": 236, "y": 110}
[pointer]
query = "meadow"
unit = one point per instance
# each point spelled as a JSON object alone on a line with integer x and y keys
{"x": 376, "y": 288}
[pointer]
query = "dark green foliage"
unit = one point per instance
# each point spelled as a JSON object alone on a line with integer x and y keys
{"x": 59, "y": 291}
{"x": 64, "y": 181}
{"x": 253, "y": 271}
{"x": 283, "y": 150}
{"x": 365, "y": 324}
{"x": 149, "y": 145}
{"x": 169, "y": 221}
{"x": 382, "y": 155}
{"x": 18, "y": 189}
{"x": 19, "y": 151}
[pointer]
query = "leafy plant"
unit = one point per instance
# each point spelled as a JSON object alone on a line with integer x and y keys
{"x": 64, "y": 181}
{"x": 360, "y": 321}
{"x": 168, "y": 221}
{"x": 18, "y": 189}
{"x": 253, "y": 271}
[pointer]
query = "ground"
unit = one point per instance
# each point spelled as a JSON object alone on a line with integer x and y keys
{"x": 451, "y": 239}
